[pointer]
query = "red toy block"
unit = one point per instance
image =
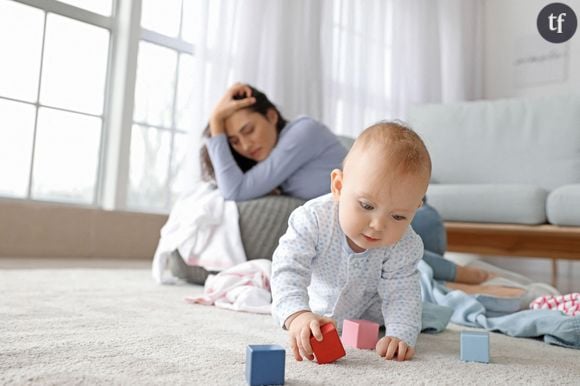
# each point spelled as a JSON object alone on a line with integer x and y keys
{"x": 330, "y": 348}
{"x": 362, "y": 334}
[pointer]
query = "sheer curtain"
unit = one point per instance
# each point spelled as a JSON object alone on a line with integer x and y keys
{"x": 348, "y": 63}
{"x": 380, "y": 57}
{"x": 271, "y": 44}
{"x": 357, "y": 62}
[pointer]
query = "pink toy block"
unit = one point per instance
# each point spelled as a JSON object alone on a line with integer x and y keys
{"x": 360, "y": 333}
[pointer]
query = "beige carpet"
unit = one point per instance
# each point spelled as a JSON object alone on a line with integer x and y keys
{"x": 115, "y": 326}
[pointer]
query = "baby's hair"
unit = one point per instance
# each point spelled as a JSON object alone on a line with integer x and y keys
{"x": 404, "y": 150}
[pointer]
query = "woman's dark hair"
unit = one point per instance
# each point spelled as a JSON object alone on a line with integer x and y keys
{"x": 261, "y": 106}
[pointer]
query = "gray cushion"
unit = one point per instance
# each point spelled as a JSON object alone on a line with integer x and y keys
{"x": 191, "y": 274}
{"x": 493, "y": 203}
{"x": 563, "y": 206}
{"x": 263, "y": 221}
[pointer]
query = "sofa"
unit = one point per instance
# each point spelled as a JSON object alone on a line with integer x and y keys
{"x": 506, "y": 174}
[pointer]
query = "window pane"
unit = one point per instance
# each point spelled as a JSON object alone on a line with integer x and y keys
{"x": 179, "y": 180}
{"x": 149, "y": 164}
{"x": 66, "y": 156}
{"x": 20, "y": 45}
{"x": 16, "y": 131}
{"x": 190, "y": 11}
{"x": 161, "y": 16}
{"x": 185, "y": 93}
{"x": 75, "y": 65}
{"x": 98, "y": 6}
{"x": 155, "y": 85}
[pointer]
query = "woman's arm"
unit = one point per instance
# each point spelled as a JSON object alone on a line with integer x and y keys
{"x": 299, "y": 143}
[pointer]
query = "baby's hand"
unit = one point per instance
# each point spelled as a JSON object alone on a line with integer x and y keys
{"x": 394, "y": 348}
{"x": 300, "y": 329}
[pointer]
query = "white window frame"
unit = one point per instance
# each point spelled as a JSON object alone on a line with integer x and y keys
{"x": 181, "y": 47}
{"x": 88, "y": 17}
{"x": 126, "y": 32}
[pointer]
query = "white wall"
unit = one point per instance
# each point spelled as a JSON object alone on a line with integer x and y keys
{"x": 510, "y": 33}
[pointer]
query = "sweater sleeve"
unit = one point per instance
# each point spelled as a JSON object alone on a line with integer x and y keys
{"x": 400, "y": 289}
{"x": 297, "y": 145}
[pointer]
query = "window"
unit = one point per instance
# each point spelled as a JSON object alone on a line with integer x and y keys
{"x": 52, "y": 89}
{"x": 162, "y": 104}
{"x": 95, "y": 97}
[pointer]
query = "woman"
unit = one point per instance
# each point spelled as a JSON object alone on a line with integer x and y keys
{"x": 251, "y": 151}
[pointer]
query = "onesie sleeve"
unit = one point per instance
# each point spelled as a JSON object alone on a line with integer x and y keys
{"x": 400, "y": 289}
{"x": 292, "y": 265}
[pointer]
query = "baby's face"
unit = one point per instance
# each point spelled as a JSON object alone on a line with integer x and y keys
{"x": 376, "y": 205}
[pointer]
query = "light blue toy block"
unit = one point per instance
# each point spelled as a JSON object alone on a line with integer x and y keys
{"x": 475, "y": 346}
{"x": 265, "y": 364}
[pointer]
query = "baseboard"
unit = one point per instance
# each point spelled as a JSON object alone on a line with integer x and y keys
{"x": 33, "y": 229}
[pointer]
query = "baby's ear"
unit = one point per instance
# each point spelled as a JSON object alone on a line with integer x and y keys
{"x": 336, "y": 183}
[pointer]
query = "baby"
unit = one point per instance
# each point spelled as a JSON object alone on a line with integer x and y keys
{"x": 352, "y": 254}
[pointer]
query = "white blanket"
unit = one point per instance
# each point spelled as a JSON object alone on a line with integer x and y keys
{"x": 205, "y": 229}
{"x": 245, "y": 287}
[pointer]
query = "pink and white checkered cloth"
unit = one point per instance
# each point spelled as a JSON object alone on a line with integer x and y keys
{"x": 568, "y": 304}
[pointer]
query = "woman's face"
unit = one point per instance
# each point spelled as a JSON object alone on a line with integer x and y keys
{"x": 251, "y": 134}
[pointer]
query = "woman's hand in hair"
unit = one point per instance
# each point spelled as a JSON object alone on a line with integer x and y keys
{"x": 237, "y": 97}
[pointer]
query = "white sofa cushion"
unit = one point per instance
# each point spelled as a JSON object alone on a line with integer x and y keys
{"x": 524, "y": 141}
{"x": 563, "y": 206}
{"x": 493, "y": 203}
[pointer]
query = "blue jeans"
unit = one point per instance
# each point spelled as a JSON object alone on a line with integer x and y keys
{"x": 429, "y": 226}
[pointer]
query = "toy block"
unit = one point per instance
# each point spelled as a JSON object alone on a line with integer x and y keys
{"x": 362, "y": 334}
{"x": 330, "y": 348}
{"x": 265, "y": 364}
{"x": 474, "y": 346}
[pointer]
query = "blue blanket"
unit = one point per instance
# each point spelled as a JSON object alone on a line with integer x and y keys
{"x": 469, "y": 310}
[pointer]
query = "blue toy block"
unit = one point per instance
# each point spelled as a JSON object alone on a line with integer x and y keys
{"x": 474, "y": 346}
{"x": 265, "y": 364}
